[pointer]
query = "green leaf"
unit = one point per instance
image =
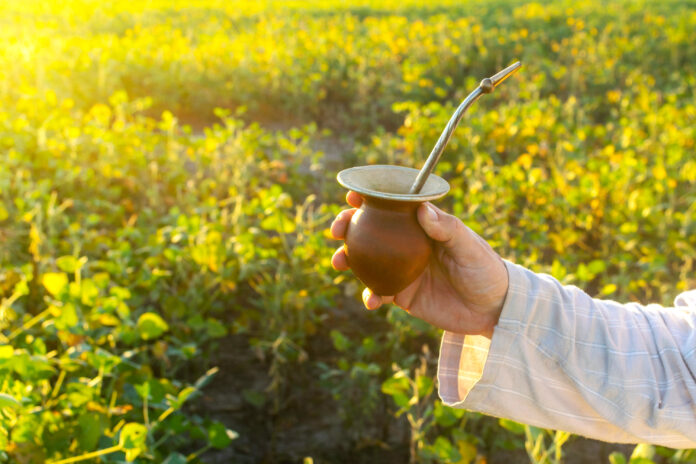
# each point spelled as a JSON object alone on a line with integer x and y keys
{"x": 641, "y": 452}
{"x": 91, "y": 426}
{"x": 32, "y": 367}
{"x": 151, "y": 325}
{"x": 183, "y": 395}
{"x": 446, "y": 416}
{"x": 6, "y": 351}
{"x": 215, "y": 328}
{"x": 88, "y": 292}
{"x": 641, "y": 461}
{"x": 219, "y": 436}
{"x": 206, "y": 378}
{"x": 143, "y": 390}
{"x": 133, "y": 440}
{"x": 425, "y": 385}
{"x": 396, "y": 385}
{"x": 67, "y": 263}
{"x": 55, "y": 282}
{"x": 7, "y": 401}
{"x": 444, "y": 450}
{"x": 617, "y": 458}
{"x": 254, "y": 397}
{"x": 401, "y": 400}
{"x": 175, "y": 458}
{"x": 340, "y": 341}
{"x": 608, "y": 289}
{"x": 3, "y": 213}
{"x": 79, "y": 394}
{"x": 67, "y": 318}
{"x": 278, "y": 223}
{"x": 4, "y": 440}
{"x": 512, "y": 426}
{"x": 597, "y": 266}
{"x": 468, "y": 452}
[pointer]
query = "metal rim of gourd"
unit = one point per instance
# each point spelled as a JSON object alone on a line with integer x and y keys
{"x": 385, "y": 181}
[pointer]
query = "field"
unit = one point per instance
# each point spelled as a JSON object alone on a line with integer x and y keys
{"x": 167, "y": 178}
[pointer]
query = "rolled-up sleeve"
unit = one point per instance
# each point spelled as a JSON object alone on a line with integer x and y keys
{"x": 562, "y": 360}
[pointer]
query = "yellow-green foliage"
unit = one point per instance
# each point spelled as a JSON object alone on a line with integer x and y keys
{"x": 162, "y": 186}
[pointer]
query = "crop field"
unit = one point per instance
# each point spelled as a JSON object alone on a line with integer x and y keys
{"x": 167, "y": 178}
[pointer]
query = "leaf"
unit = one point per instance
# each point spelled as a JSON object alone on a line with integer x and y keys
{"x": 445, "y": 451}
{"x": 215, "y": 328}
{"x": 3, "y": 213}
{"x": 151, "y": 325}
{"x": 446, "y": 416}
{"x": 67, "y": 318}
{"x": 254, "y": 397}
{"x": 55, "y": 282}
{"x": 67, "y": 263}
{"x": 597, "y": 266}
{"x": 79, "y": 394}
{"x": 608, "y": 289}
{"x": 181, "y": 398}
{"x": 617, "y": 458}
{"x": 6, "y": 351}
{"x": 143, "y": 390}
{"x": 425, "y": 385}
{"x": 91, "y": 427}
{"x": 7, "y": 401}
{"x": 175, "y": 458}
{"x": 401, "y": 400}
{"x": 278, "y": 223}
{"x": 88, "y": 292}
{"x": 467, "y": 449}
{"x": 340, "y": 341}
{"x": 642, "y": 451}
{"x": 219, "y": 436}
{"x": 133, "y": 440}
{"x": 512, "y": 426}
{"x": 206, "y": 378}
{"x": 395, "y": 385}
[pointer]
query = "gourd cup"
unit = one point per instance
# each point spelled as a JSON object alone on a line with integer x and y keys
{"x": 385, "y": 245}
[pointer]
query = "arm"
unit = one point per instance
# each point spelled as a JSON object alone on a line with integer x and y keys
{"x": 560, "y": 359}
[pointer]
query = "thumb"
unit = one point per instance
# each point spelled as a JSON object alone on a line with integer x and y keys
{"x": 460, "y": 242}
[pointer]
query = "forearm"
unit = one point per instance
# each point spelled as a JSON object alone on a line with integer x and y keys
{"x": 560, "y": 359}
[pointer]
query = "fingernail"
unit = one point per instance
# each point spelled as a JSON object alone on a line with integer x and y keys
{"x": 366, "y": 297}
{"x": 432, "y": 214}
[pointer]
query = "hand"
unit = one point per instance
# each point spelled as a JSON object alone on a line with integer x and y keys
{"x": 464, "y": 286}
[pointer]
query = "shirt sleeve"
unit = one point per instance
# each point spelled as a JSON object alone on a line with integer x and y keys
{"x": 559, "y": 359}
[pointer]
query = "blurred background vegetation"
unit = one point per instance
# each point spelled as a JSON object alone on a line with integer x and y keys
{"x": 167, "y": 176}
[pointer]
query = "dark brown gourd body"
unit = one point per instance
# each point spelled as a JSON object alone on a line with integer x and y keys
{"x": 386, "y": 247}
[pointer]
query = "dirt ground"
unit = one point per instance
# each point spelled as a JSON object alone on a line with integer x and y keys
{"x": 307, "y": 425}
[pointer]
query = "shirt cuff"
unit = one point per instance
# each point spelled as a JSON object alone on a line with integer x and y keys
{"x": 462, "y": 363}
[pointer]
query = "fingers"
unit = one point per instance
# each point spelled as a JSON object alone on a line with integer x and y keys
{"x": 340, "y": 224}
{"x": 374, "y": 301}
{"x": 354, "y": 199}
{"x": 370, "y": 300}
{"x": 460, "y": 241}
{"x": 339, "y": 261}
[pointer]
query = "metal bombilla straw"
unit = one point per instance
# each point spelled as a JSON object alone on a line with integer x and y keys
{"x": 486, "y": 86}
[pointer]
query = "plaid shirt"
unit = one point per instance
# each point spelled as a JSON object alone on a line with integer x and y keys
{"x": 561, "y": 360}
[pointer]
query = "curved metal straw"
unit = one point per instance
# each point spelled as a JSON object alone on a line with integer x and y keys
{"x": 486, "y": 86}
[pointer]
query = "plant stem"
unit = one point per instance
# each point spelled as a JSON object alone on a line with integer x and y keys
{"x": 32, "y": 322}
{"x": 85, "y": 456}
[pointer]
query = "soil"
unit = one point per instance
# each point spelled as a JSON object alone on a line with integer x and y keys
{"x": 307, "y": 423}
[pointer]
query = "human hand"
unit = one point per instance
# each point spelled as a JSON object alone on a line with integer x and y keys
{"x": 462, "y": 289}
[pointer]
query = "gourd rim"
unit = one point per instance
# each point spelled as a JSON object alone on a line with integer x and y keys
{"x": 387, "y": 182}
